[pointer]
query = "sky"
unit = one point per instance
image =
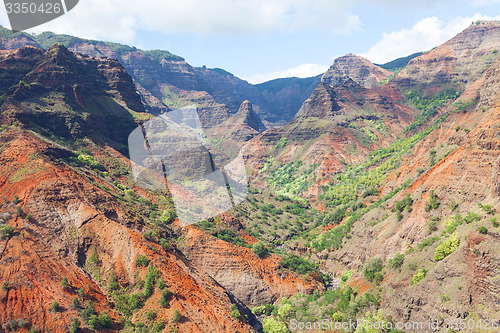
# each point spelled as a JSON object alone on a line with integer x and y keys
{"x": 259, "y": 40}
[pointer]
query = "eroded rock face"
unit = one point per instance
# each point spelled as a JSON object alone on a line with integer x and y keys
{"x": 455, "y": 64}
{"x": 252, "y": 280}
{"x": 69, "y": 94}
{"x": 356, "y": 68}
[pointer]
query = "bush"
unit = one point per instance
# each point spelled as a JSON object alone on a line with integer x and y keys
{"x": 19, "y": 211}
{"x": 433, "y": 202}
{"x": 259, "y": 249}
{"x": 55, "y": 306}
{"x": 113, "y": 284}
{"x": 149, "y": 280}
{"x": 419, "y": 276}
{"x": 141, "y": 260}
{"x": 299, "y": 265}
{"x": 165, "y": 298}
{"x": 432, "y": 224}
{"x": 483, "y": 230}
{"x": 15, "y": 200}
{"x": 151, "y": 315}
{"x": 64, "y": 282}
{"x": 76, "y": 303}
{"x": 75, "y": 326}
{"x": 397, "y": 261}
{"x": 371, "y": 267}
{"x": 494, "y": 221}
{"x": 5, "y": 286}
{"x": 105, "y": 321}
{"x": 235, "y": 313}
{"x": 176, "y": 317}
{"x": 6, "y": 231}
{"x": 446, "y": 248}
{"x": 265, "y": 309}
{"x": 161, "y": 284}
{"x": 272, "y": 325}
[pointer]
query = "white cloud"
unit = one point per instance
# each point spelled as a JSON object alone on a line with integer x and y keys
{"x": 423, "y": 36}
{"x": 118, "y": 20}
{"x": 302, "y": 71}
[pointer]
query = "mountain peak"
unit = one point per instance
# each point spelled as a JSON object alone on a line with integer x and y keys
{"x": 356, "y": 68}
{"x": 249, "y": 117}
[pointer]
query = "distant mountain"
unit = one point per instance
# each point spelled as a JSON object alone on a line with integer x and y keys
{"x": 400, "y": 63}
{"x": 166, "y": 81}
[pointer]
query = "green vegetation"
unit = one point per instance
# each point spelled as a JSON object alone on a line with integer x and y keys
{"x": 273, "y": 325}
{"x": 75, "y": 326}
{"x": 396, "y": 262}
{"x": 235, "y": 313}
{"x": 433, "y": 202}
{"x": 55, "y": 306}
{"x": 299, "y": 265}
{"x": 422, "y": 273}
{"x": 372, "y": 268}
{"x": 6, "y": 231}
{"x": 429, "y": 106}
{"x": 64, "y": 282}
{"x": 141, "y": 261}
{"x": 446, "y": 248}
{"x": 483, "y": 230}
{"x": 259, "y": 249}
{"x": 176, "y": 317}
{"x": 165, "y": 298}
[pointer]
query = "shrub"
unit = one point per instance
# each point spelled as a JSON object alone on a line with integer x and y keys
{"x": 176, "y": 317}
{"x": 141, "y": 260}
{"x": 165, "y": 298}
{"x": 75, "y": 326}
{"x": 378, "y": 278}
{"x": 89, "y": 311}
{"x": 298, "y": 265}
{"x": 419, "y": 276}
{"x": 265, "y": 309}
{"x": 6, "y": 231}
{"x": 161, "y": 284}
{"x": 446, "y": 248}
{"x": 259, "y": 249}
{"x": 93, "y": 322}
{"x": 55, "y": 306}
{"x": 64, "y": 282}
{"x": 483, "y": 230}
{"x": 433, "y": 202}
{"x": 5, "y": 285}
{"x": 346, "y": 276}
{"x": 19, "y": 211}
{"x": 397, "y": 261}
{"x": 15, "y": 200}
{"x": 235, "y": 313}
{"x": 371, "y": 267}
{"x": 76, "y": 303}
{"x": 151, "y": 315}
{"x": 494, "y": 221}
{"x": 272, "y": 325}
{"x": 105, "y": 321}
{"x": 113, "y": 284}
{"x": 149, "y": 280}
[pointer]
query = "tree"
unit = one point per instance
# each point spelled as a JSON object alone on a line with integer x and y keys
{"x": 55, "y": 306}
{"x": 165, "y": 298}
{"x": 76, "y": 303}
{"x": 177, "y": 316}
{"x": 272, "y": 325}
{"x": 371, "y": 267}
{"x": 259, "y": 249}
{"x": 75, "y": 326}
{"x": 64, "y": 282}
